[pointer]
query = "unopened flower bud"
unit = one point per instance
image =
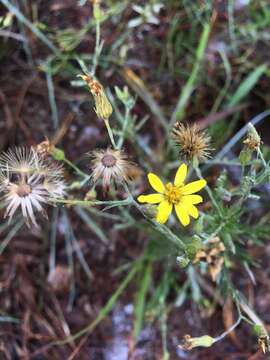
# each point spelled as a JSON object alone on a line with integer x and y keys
{"x": 253, "y": 139}
{"x": 190, "y": 343}
{"x": 58, "y": 154}
{"x": 245, "y": 156}
{"x": 44, "y": 148}
{"x": 97, "y": 10}
{"x": 251, "y": 143}
{"x": 193, "y": 247}
{"x": 103, "y": 107}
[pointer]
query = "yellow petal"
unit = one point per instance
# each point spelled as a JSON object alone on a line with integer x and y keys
{"x": 193, "y": 187}
{"x": 192, "y": 199}
{"x": 180, "y": 175}
{"x": 164, "y": 211}
{"x": 192, "y": 211}
{"x": 151, "y": 198}
{"x": 156, "y": 183}
{"x": 182, "y": 214}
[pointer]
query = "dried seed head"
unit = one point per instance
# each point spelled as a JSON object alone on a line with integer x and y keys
{"x": 27, "y": 181}
{"x": 111, "y": 165}
{"x": 193, "y": 143}
{"x": 20, "y": 160}
{"x": 103, "y": 107}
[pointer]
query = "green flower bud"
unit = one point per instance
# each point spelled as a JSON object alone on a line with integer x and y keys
{"x": 259, "y": 330}
{"x": 190, "y": 343}
{"x": 194, "y": 246}
{"x": 58, "y": 154}
{"x": 245, "y": 156}
{"x": 97, "y": 12}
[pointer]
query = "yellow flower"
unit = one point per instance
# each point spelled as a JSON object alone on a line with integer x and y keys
{"x": 177, "y": 194}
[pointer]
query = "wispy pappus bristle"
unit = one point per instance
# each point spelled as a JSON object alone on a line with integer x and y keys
{"x": 28, "y": 182}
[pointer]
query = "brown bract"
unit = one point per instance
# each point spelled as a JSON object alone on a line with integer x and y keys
{"x": 213, "y": 255}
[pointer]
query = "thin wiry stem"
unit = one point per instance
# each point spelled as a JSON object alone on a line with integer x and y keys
{"x": 209, "y": 191}
{"x": 52, "y": 259}
{"x": 110, "y": 133}
{"x": 124, "y": 129}
{"x": 223, "y": 335}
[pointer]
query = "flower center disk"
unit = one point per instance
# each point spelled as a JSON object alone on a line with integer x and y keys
{"x": 172, "y": 193}
{"x": 108, "y": 160}
{"x": 23, "y": 190}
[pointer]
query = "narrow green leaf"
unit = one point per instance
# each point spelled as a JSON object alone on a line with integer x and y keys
{"x": 190, "y": 84}
{"x": 246, "y": 86}
{"x": 140, "y": 300}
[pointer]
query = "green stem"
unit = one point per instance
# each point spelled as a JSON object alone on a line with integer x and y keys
{"x": 97, "y": 48}
{"x": 207, "y": 188}
{"x": 124, "y": 129}
{"x": 110, "y": 133}
{"x": 92, "y": 203}
{"x": 262, "y": 158}
{"x": 223, "y": 335}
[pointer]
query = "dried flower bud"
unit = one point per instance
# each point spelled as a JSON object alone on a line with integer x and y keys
{"x": 251, "y": 143}
{"x": 264, "y": 343}
{"x": 253, "y": 140}
{"x": 263, "y": 338}
{"x": 190, "y": 343}
{"x": 44, "y": 148}
{"x": 103, "y": 107}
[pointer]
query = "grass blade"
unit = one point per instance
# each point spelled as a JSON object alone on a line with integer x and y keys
{"x": 246, "y": 86}
{"x": 140, "y": 300}
{"x": 189, "y": 86}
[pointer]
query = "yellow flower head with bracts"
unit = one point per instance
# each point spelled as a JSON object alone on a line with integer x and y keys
{"x": 177, "y": 194}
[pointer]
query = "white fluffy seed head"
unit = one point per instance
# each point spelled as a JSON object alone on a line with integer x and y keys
{"x": 111, "y": 165}
{"x": 29, "y": 182}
